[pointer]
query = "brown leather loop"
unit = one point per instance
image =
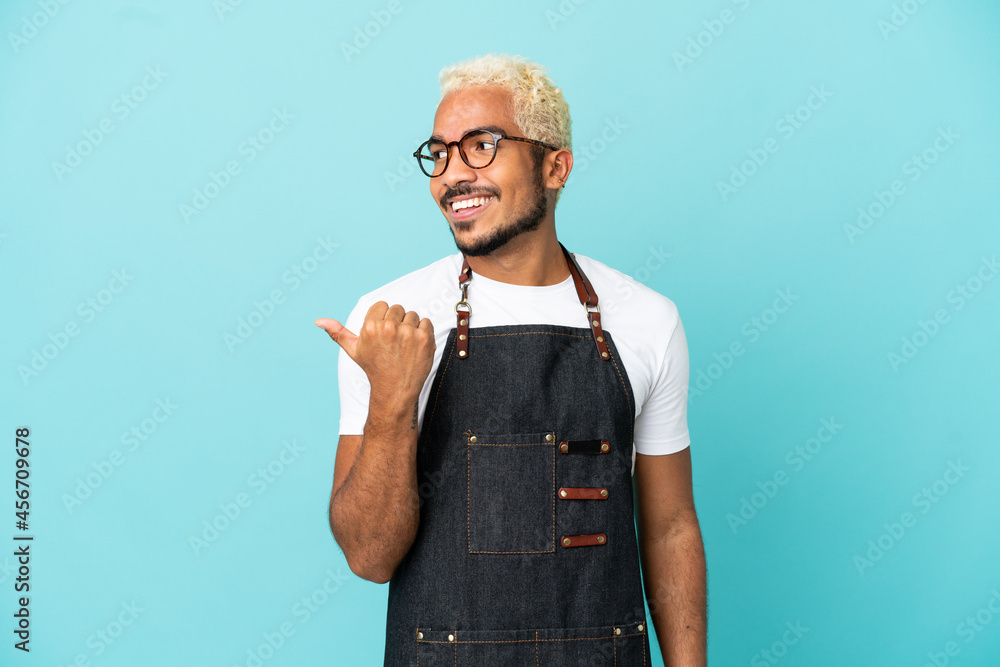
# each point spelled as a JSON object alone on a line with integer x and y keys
{"x": 594, "y": 539}
{"x": 462, "y": 315}
{"x": 582, "y": 493}
{"x": 584, "y": 290}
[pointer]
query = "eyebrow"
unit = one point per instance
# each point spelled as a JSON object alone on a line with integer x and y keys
{"x": 489, "y": 128}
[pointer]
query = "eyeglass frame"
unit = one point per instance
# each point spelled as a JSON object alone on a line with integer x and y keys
{"x": 497, "y": 136}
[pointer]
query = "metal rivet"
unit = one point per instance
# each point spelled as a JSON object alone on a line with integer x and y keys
{"x": 640, "y": 627}
{"x": 461, "y": 337}
{"x": 600, "y": 539}
{"x": 566, "y": 541}
{"x": 604, "y": 447}
{"x": 451, "y": 638}
{"x": 420, "y": 635}
{"x": 597, "y": 323}
{"x": 548, "y": 437}
{"x": 562, "y": 493}
{"x": 472, "y": 439}
{"x": 600, "y": 339}
{"x": 462, "y": 322}
{"x": 604, "y": 493}
{"x": 564, "y": 447}
{"x": 461, "y": 353}
{"x": 618, "y": 631}
{"x": 604, "y": 354}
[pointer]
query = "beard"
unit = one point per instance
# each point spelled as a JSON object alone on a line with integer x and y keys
{"x": 527, "y": 221}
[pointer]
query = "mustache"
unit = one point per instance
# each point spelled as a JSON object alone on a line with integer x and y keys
{"x": 466, "y": 191}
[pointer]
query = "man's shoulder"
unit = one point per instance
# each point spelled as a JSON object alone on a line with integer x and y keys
{"x": 625, "y": 296}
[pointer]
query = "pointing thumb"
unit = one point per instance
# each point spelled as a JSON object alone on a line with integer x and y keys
{"x": 340, "y": 334}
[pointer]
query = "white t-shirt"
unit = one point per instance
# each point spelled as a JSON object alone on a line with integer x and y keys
{"x": 643, "y": 323}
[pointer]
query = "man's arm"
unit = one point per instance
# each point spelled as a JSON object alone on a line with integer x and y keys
{"x": 374, "y": 508}
{"x": 673, "y": 557}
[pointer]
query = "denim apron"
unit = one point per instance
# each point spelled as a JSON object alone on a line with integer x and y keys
{"x": 526, "y": 552}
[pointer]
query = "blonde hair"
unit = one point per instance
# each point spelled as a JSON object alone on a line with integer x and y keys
{"x": 539, "y": 109}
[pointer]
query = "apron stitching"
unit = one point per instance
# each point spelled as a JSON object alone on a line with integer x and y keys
{"x": 546, "y": 551}
{"x": 614, "y": 648}
{"x": 628, "y": 396}
{"x": 456, "y": 648}
{"x": 468, "y": 496}
{"x": 622, "y": 380}
{"x": 522, "y": 641}
{"x": 441, "y": 380}
{"x": 521, "y": 333}
{"x": 468, "y": 493}
{"x": 553, "y": 498}
{"x": 536, "y": 648}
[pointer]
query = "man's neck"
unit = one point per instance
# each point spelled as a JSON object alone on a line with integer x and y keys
{"x": 525, "y": 261}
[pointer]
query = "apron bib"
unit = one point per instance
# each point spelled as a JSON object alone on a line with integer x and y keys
{"x": 526, "y": 553}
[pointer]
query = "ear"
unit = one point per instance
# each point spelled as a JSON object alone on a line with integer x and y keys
{"x": 556, "y": 168}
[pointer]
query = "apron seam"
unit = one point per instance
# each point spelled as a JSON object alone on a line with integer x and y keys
{"x": 523, "y": 641}
{"x": 441, "y": 380}
{"x": 521, "y": 333}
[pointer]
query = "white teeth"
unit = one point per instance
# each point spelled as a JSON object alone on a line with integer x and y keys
{"x": 466, "y": 203}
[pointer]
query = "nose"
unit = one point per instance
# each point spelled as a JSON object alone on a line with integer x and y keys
{"x": 457, "y": 171}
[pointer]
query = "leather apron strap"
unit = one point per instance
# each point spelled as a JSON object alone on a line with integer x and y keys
{"x": 584, "y": 290}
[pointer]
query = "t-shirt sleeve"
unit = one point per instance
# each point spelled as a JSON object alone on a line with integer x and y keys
{"x": 352, "y": 381}
{"x": 661, "y": 427}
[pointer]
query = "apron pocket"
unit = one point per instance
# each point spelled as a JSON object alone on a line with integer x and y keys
{"x": 511, "y": 493}
{"x": 610, "y": 645}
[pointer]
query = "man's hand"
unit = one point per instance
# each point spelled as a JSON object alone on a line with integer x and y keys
{"x": 395, "y": 349}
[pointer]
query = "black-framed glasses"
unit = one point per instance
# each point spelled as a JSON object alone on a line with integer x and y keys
{"x": 478, "y": 149}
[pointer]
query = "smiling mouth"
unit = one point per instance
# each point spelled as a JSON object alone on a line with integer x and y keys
{"x": 466, "y": 208}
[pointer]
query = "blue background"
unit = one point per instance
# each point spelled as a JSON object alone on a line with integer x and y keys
{"x": 820, "y": 550}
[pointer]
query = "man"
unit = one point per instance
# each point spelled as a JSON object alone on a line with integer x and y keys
{"x": 485, "y": 463}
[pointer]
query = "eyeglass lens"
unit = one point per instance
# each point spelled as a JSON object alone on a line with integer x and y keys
{"x": 477, "y": 148}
